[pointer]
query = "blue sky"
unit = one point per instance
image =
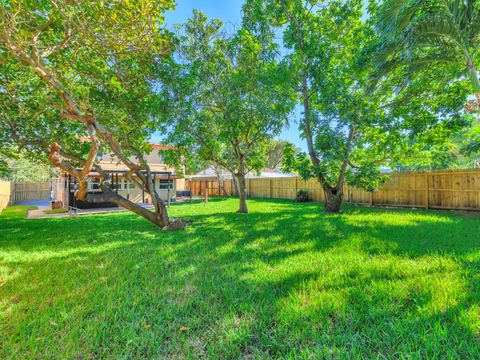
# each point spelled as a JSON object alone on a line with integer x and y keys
{"x": 229, "y": 11}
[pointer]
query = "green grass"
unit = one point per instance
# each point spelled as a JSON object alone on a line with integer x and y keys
{"x": 55, "y": 211}
{"x": 285, "y": 281}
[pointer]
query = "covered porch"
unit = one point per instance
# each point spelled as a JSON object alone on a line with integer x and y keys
{"x": 164, "y": 184}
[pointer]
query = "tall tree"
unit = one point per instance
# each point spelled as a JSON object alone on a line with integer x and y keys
{"x": 321, "y": 40}
{"x": 84, "y": 69}
{"x": 349, "y": 128}
{"x": 232, "y": 97}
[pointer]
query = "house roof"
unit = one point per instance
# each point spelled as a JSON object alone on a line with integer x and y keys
{"x": 265, "y": 173}
{"x": 161, "y": 175}
{"x": 110, "y": 162}
{"x": 121, "y": 167}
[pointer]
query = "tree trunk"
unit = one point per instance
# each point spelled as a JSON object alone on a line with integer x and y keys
{"x": 474, "y": 80}
{"x": 333, "y": 200}
{"x": 220, "y": 181}
{"x": 158, "y": 217}
{"x": 236, "y": 191}
{"x": 109, "y": 196}
{"x": 243, "y": 208}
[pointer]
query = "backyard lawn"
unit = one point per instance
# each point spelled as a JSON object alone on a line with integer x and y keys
{"x": 284, "y": 281}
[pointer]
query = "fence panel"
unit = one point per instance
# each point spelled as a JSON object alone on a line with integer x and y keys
{"x": 31, "y": 191}
{"x": 199, "y": 188}
{"x": 259, "y": 188}
{"x": 454, "y": 189}
{"x": 284, "y": 188}
{"x": 5, "y": 190}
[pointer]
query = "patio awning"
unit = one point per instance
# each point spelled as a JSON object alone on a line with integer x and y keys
{"x": 157, "y": 175}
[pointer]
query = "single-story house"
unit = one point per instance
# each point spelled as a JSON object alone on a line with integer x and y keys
{"x": 166, "y": 181}
{"x": 210, "y": 174}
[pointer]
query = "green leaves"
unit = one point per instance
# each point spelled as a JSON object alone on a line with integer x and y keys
{"x": 297, "y": 162}
{"x": 231, "y": 94}
{"x": 103, "y": 54}
{"x": 412, "y": 31}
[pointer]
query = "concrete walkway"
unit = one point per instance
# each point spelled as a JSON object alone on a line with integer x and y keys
{"x": 40, "y": 213}
{"x": 40, "y": 204}
{"x": 43, "y": 205}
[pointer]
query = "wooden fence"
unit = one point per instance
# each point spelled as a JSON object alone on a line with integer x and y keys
{"x": 452, "y": 190}
{"x": 212, "y": 187}
{"x": 5, "y": 189}
{"x": 30, "y": 191}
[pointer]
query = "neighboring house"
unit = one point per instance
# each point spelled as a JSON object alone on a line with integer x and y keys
{"x": 166, "y": 181}
{"x": 271, "y": 173}
{"x": 210, "y": 174}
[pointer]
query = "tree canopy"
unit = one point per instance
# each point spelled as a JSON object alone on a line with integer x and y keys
{"x": 84, "y": 70}
{"x": 351, "y": 127}
{"x": 231, "y": 96}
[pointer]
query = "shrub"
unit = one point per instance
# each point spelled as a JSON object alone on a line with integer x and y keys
{"x": 302, "y": 196}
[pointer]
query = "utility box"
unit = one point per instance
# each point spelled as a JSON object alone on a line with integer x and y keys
{"x": 56, "y": 204}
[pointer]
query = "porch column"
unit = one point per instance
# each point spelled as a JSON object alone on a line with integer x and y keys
{"x": 168, "y": 187}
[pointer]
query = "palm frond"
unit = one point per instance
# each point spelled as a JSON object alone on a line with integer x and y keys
{"x": 435, "y": 29}
{"x": 397, "y": 14}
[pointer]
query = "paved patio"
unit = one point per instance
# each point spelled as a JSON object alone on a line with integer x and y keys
{"x": 40, "y": 213}
{"x": 43, "y": 205}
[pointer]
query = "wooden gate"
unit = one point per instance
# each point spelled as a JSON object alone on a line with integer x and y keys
{"x": 31, "y": 191}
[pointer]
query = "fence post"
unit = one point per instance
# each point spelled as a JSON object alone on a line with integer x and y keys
{"x": 427, "y": 190}
{"x": 12, "y": 194}
{"x": 371, "y": 198}
{"x": 270, "y": 190}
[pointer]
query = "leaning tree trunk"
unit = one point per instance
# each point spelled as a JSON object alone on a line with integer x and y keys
{"x": 333, "y": 199}
{"x": 159, "y": 216}
{"x": 96, "y": 132}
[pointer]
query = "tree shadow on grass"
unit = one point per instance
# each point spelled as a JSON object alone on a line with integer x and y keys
{"x": 277, "y": 282}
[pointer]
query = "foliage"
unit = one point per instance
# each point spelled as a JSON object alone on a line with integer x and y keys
{"x": 344, "y": 124}
{"x": 230, "y": 96}
{"x": 351, "y": 127}
{"x": 456, "y": 152}
{"x": 421, "y": 33}
{"x": 302, "y": 196}
{"x": 418, "y": 35}
{"x": 284, "y": 281}
{"x": 297, "y": 162}
{"x": 72, "y": 71}
{"x": 275, "y": 151}
{"x": 23, "y": 169}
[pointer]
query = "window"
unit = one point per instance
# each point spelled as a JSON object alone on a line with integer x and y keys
{"x": 165, "y": 184}
{"x": 94, "y": 183}
{"x": 128, "y": 184}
